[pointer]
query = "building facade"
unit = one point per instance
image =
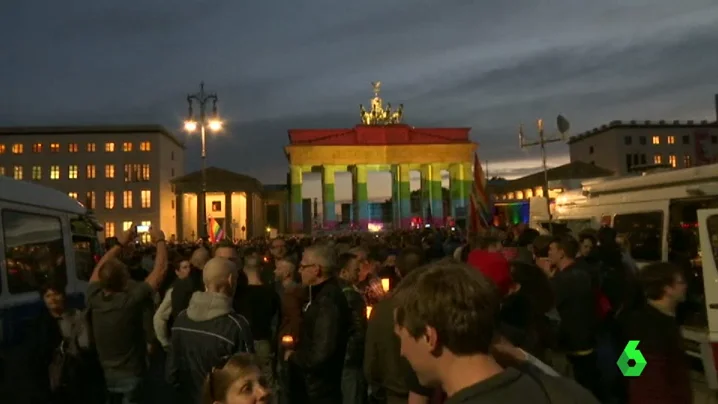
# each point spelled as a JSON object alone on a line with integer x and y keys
{"x": 122, "y": 173}
{"x": 627, "y": 146}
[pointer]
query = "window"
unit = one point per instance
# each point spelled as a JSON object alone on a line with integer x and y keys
{"x": 54, "y": 172}
{"x": 109, "y": 147}
{"x": 643, "y": 232}
{"x": 2, "y": 149}
{"x": 128, "y": 173}
{"x": 90, "y": 200}
{"x": 627, "y": 140}
{"x": 55, "y": 147}
{"x": 126, "y": 225}
{"x": 87, "y": 248}
{"x": 146, "y": 198}
{"x": 37, "y": 147}
{"x": 642, "y": 140}
{"x": 72, "y": 195}
{"x": 687, "y": 161}
{"x": 590, "y": 149}
{"x": 686, "y": 139}
{"x": 629, "y": 162}
{"x": 34, "y": 251}
{"x": 172, "y": 172}
{"x": 672, "y": 160}
{"x": 714, "y": 139}
{"x": 36, "y": 172}
{"x": 17, "y": 148}
{"x": 127, "y": 200}
{"x": 643, "y": 159}
{"x": 91, "y": 147}
{"x": 109, "y": 200}
{"x": 671, "y": 139}
{"x": 109, "y": 229}
{"x": 72, "y": 172}
{"x": 127, "y": 147}
{"x": 656, "y": 140}
{"x": 145, "y": 146}
{"x": 2, "y": 170}
{"x": 657, "y": 159}
{"x": 72, "y": 147}
{"x": 172, "y": 155}
{"x": 17, "y": 172}
{"x": 90, "y": 171}
{"x": 145, "y": 237}
{"x": 109, "y": 171}
{"x": 145, "y": 172}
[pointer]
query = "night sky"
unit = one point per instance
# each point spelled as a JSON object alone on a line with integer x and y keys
{"x": 277, "y": 65}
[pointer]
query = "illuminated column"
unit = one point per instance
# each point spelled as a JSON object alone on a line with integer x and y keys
{"x": 228, "y": 230}
{"x": 297, "y": 216}
{"x": 179, "y": 216}
{"x": 401, "y": 196}
{"x": 431, "y": 188}
{"x": 361, "y": 197}
{"x": 328, "y": 199}
{"x": 461, "y": 182}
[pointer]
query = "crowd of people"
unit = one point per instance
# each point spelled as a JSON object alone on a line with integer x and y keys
{"x": 410, "y": 317}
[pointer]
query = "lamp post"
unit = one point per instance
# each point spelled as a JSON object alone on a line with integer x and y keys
{"x": 563, "y": 126}
{"x": 214, "y": 124}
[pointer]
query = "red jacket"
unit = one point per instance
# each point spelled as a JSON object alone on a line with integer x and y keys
{"x": 494, "y": 266}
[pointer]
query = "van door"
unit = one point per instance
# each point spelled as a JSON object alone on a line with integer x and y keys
{"x": 708, "y": 236}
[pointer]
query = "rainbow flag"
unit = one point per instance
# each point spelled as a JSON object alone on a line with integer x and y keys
{"x": 215, "y": 231}
{"x": 480, "y": 208}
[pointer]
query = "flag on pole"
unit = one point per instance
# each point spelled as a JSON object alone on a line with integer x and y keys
{"x": 481, "y": 217}
{"x": 215, "y": 231}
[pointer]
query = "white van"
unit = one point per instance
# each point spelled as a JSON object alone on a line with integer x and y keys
{"x": 45, "y": 236}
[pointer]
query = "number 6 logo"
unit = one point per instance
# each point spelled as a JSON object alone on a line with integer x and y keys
{"x": 631, "y": 353}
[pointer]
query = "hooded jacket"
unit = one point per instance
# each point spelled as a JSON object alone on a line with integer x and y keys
{"x": 203, "y": 336}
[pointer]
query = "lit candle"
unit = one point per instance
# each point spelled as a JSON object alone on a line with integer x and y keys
{"x": 385, "y": 284}
{"x": 287, "y": 341}
{"x": 368, "y": 311}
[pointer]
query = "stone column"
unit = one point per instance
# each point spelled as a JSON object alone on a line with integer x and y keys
{"x": 179, "y": 216}
{"x": 296, "y": 214}
{"x": 329, "y": 209}
{"x": 401, "y": 196}
{"x": 228, "y": 230}
{"x": 202, "y": 208}
{"x": 432, "y": 193}
{"x": 361, "y": 197}
{"x": 250, "y": 215}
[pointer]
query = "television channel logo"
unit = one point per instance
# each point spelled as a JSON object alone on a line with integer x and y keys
{"x": 631, "y": 353}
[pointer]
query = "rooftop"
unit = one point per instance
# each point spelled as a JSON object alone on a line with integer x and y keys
{"x": 89, "y": 130}
{"x": 642, "y": 125}
{"x": 576, "y": 170}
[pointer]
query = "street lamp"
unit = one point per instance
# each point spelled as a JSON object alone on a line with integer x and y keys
{"x": 214, "y": 124}
{"x": 563, "y": 126}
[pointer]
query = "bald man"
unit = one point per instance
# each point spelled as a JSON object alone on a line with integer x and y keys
{"x": 208, "y": 331}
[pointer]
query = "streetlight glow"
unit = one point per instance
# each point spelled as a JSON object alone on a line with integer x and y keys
{"x": 190, "y": 125}
{"x": 215, "y": 125}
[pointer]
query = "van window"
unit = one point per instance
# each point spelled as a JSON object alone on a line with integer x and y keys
{"x": 34, "y": 251}
{"x": 643, "y": 232}
{"x": 86, "y": 247}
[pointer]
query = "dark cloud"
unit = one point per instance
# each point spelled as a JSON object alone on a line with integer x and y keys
{"x": 277, "y": 65}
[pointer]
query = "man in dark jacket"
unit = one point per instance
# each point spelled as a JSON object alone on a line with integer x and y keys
{"x": 183, "y": 289}
{"x": 319, "y": 356}
{"x": 354, "y": 386}
{"x": 207, "y": 332}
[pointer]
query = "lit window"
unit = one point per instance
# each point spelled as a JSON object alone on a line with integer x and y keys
{"x": 145, "y": 146}
{"x": 55, "y": 147}
{"x": 127, "y": 147}
{"x": 36, "y": 172}
{"x": 17, "y": 172}
{"x": 109, "y": 200}
{"x": 72, "y": 148}
{"x": 91, "y": 171}
{"x": 672, "y": 160}
{"x": 72, "y": 172}
{"x": 54, "y": 172}
{"x": 17, "y": 148}
{"x": 687, "y": 161}
{"x": 91, "y": 147}
{"x": 90, "y": 200}
{"x": 109, "y": 171}
{"x": 145, "y": 172}
{"x": 72, "y": 195}
{"x": 2, "y": 149}
{"x": 146, "y": 198}
{"x": 2, "y": 170}
{"x": 656, "y": 140}
{"x": 109, "y": 147}
{"x": 657, "y": 159}
{"x": 128, "y": 172}
{"x": 127, "y": 200}
{"x": 37, "y": 148}
{"x": 145, "y": 237}
{"x": 126, "y": 225}
{"x": 671, "y": 139}
{"x": 109, "y": 229}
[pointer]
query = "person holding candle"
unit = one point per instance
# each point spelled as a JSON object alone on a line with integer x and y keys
{"x": 354, "y": 389}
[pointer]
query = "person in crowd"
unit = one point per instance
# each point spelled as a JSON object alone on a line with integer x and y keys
{"x": 445, "y": 318}
{"x": 277, "y": 252}
{"x": 524, "y": 242}
{"x": 161, "y": 319}
{"x": 321, "y": 349}
{"x": 369, "y": 283}
{"x": 576, "y": 305}
{"x": 293, "y": 297}
{"x": 390, "y": 377}
{"x": 183, "y": 289}
{"x": 238, "y": 381}
{"x": 666, "y": 380}
{"x": 117, "y": 307}
{"x": 260, "y": 305}
{"x": 354, "y": 388}
{"x": 488, "y": 259}
{"x": 207, "y": 331}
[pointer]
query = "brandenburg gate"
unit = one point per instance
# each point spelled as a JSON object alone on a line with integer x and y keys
{"x": 382, "y": 142}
